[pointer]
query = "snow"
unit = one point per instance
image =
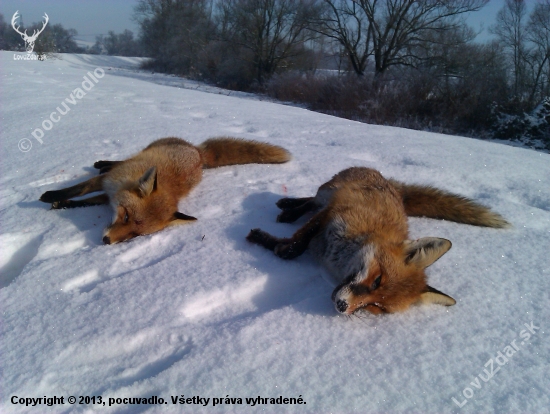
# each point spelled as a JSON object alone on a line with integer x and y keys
{"x": 198, "y": 311}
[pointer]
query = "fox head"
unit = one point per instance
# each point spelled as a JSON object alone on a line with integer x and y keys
{"x": 392, "y": 278}
{"x": 140, "y": 208}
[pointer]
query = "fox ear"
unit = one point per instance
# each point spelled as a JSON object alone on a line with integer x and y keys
{"x": 180, "y": 218}
{"x": 434, "y": 297}
{"x": 423, "y": 252}
{"x": 148, "y": 182}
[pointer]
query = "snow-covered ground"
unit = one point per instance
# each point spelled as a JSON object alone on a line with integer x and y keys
{"x": 198, "y": 311}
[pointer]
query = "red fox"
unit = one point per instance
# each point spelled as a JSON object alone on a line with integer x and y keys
{"x": 144, "y": 190}
{"x": 359, "y": 234}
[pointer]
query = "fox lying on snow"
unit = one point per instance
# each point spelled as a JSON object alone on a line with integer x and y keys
{"x": 360, "y": 235}
{"x": 144, "y": 190}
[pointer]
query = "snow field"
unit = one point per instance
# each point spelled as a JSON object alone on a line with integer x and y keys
{"x": 198, "y": 311}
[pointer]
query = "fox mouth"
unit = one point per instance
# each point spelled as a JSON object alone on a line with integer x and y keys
{"x": 342, "y": 306}
{"x": 108, "y": 240}
{"x": 341, "y": 295}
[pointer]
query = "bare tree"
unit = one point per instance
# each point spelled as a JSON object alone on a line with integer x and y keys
{"x": 510, "y": 30}
{"x": 173, "y": 32}
{"x": 391, "y": 31}
{"x": 64, "y": 39}
{"x": 9, "y": 38}
{"x": 345, "y": 22}
{"x": 266, "y": 33}
{"x": 122, "y": 44}
{"x": 538, "y": 33}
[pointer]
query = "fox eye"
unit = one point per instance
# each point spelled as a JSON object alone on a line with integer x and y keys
{"x": 126, "y": 217}
{"x": 376, "y": 283}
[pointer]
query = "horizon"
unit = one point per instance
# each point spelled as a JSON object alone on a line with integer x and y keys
{"x": 92, "y": 19}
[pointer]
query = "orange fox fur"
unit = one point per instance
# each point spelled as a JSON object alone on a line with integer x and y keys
{"x": 360, "y": 235}
{"x": 144, "y": 190}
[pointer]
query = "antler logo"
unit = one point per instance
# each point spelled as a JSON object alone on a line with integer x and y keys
{"x": 29, "y": 40}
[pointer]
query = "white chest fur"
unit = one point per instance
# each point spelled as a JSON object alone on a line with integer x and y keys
{"x": 341, "y": 256}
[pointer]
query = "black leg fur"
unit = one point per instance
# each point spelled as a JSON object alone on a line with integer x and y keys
{"x": 91, "y": 201}
{"x": 264, "y": 239}
{"x": 104, "y": 163}
{"x": 290, "y": 215}
{"x": 89, "y": 186}
{"x": 288, "y": 202}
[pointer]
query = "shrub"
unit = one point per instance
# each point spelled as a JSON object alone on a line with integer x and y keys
{"x": 528, "y": 126}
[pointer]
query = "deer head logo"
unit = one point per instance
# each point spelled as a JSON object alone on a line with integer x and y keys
{"x": 29, "y": 40}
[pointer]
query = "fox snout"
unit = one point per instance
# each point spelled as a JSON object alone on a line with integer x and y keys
{"x": 341, "y": 305}
{"x": 118, "y": 233}
{"x": 341, "y": 299}
{"x": 348, "y": 306}
{"x": 345, "y": 304}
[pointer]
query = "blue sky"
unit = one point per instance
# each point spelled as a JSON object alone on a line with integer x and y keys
{"x": 483, "y": 19}
{"x": 94, "y": 17}
{"x": 89, "y": 17}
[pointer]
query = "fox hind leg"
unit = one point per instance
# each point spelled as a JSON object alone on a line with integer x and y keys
{"x": 294, "y": 246}
{"x": 288, "y": 202}
{"x": 290, "y": 215}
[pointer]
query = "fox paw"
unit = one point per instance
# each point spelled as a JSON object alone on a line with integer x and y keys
{"x": 263, "y": 239}
{"x": 254, "y": 236}
{"x": 49, "y": 197}
{"x": 59, "y": 205}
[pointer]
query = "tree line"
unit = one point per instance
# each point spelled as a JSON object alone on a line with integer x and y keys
{"x": 410, "y": 63}
{"x": 57, "y": 39}
{"x": 54, "y": 38}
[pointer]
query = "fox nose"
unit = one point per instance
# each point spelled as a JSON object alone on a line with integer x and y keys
{"x": 341, "y": 305}
{"x": 106, "y": 240}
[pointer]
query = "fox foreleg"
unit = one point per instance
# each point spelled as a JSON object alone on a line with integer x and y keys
{"x": 289, "y": 248}
{"x": 89, "y": 186}
{"x": 265, "y": 239}
{"x": 90, "y": 201}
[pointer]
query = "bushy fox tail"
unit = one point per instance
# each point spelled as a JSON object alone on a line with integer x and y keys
{"x": 425, "y": 201}
{"x": 217, "y": 152}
